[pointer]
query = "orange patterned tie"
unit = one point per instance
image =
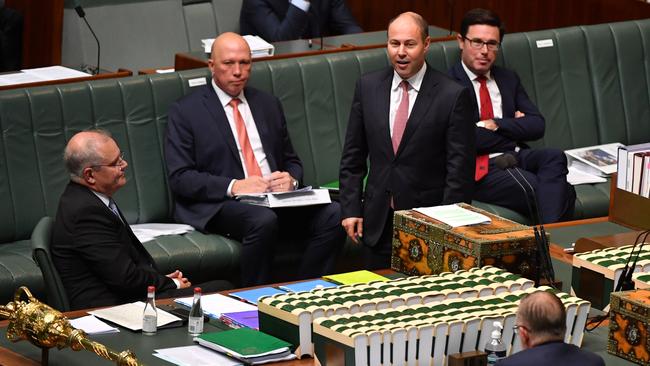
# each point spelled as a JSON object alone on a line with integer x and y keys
{"x": 250, "y": 163}
{"x": 482, "y": 161}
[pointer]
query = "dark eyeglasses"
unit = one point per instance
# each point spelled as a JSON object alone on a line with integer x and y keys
{"x": 117, "y": 163}
{"x": 478, "y": 44}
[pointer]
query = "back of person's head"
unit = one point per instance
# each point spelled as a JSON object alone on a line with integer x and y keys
{"x": 543, "y": 315}
{"x": 484, "y": 17}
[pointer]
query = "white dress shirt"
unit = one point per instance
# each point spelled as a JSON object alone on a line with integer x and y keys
{"x": 415, "y": 82}
{"x": 300, "y": 4}
{"x": 493, "y": 89}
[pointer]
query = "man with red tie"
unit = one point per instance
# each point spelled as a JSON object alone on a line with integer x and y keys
{"x": 506, "y": 118}
{"x": 227, "y": 139}
{"x": 414, "y": 125}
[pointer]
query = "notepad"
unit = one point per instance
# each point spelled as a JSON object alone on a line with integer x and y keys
{"x": 248, "y": 345}
{"x": 351, "y": 278}
{"x": 215, "y": 304}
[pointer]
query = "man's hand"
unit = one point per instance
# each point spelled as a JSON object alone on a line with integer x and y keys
{"x": 354, "y": 228}
{"x": 488, "y": 124}
{"x": 519, "y": 114}
{"x": 182, "y": 281}
{"x": 279, "y": 182}
{"x": 249, "y": 185}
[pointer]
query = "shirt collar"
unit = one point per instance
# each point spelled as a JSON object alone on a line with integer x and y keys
{"x": 104, "y": 198}
{"x": 414, "y": 81}
{"x": 224, "y": 98}
{"x": 472, "y": 76}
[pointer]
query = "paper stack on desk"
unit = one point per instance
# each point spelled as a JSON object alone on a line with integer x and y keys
{"x": 302, "y": 197}
{"x": 259, "y": 47}
{"x": 248, "y": 345}
{"x": 130, "y": 316}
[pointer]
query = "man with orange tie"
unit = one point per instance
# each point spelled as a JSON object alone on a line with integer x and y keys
{"x": 414, "y": 125}
{"x": 505, "y": 118}
{"x": 227, "y": 139}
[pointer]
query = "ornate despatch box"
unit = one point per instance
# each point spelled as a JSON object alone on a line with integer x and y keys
{"x": 422, "y": 245}
{"x": 628, "y": 326}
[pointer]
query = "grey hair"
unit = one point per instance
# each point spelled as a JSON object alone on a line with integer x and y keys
{"x": 76, "y": 159}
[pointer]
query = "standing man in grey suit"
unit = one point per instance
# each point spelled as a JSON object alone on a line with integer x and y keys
{"x": 415, "y": 126}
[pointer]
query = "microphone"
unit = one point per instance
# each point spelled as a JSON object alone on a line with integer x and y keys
{"x": 82, "y": 14}
{"x": 625, "y": 279}
{"x": 508, "y": 162}
{"x": 451, "y": 16}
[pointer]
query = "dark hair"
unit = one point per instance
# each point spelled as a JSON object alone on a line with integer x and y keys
{"x": 544, "y": 315}
{"x": 419, "y": 21}
{"x": 481, "y": 16}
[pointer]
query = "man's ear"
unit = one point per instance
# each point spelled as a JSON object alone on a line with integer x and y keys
{"x": 88, "y": 175}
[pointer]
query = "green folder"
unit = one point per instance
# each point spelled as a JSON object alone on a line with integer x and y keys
{"x": 247, "y": 342}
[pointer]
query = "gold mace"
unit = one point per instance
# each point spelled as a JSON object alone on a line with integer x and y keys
{"x": 46, "y": 327}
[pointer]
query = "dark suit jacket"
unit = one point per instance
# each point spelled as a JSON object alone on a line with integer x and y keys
{"x": 512, "y": 131}
{"x": 434, "y": 163}
{"x": 555, "y": 354}
{"x": 99, "y": 259}
{"x": 201, "y": 153}
{"x": 278, "y": 20}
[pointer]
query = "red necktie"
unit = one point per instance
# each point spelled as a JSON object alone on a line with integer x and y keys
{"x": 250, "y": 163}
{"x": 482, "y": 161}
{"x": 401, "y": 116}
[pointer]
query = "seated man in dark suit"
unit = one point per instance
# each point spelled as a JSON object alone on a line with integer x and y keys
{"x": 226, "y": 139}
{"x": 541, "y": 325}
{"x": 505, "y": 119}
{"x": 281, "y": 20}
{"x": 98, "y": 257}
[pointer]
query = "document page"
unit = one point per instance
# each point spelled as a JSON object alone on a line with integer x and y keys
{"x": 130, "y": 315}
{"x": 454, "y": 215}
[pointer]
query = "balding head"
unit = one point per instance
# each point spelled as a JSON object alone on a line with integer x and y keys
{"x": 95, "y": 161}
{"x": 543, "y": 316}
{"x": 230, "y": 63}
{"x": 415, "y": 19}
{"x": 83, "y": 151}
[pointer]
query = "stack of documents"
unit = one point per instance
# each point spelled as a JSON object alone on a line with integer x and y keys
{"x": 147, "y": 232}
{"x": 301, "y": 197}
{"x": 130, "y": 316}
{"x": 241, "y": 319}
{"x": 254, "y": 295}
{"x": 92, "y": 325}
{"x": 591, "y": 164}
{"x": 195, "y": 355}
{"x": 40, "y": 74}
{"x": 216, "y": 304}
{"x": 454, "y": 215}
{"x": 247, "y": 345}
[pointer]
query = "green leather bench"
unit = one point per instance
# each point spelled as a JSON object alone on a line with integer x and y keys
{"x": 592, "y": 86}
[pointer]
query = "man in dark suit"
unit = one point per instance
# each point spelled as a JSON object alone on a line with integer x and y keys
{"x": 415, "y": 126}
{"x": 98, "y": 257}
{"x": 227, "y": 139}
{"x": 505, "y": 118}
{"x": 281, "y": 20}
{"x": 541, "y": 326}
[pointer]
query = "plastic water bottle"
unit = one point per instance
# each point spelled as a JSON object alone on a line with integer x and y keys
{"x": 150, "y": 313}
{"x": 495, "y": 348}
{"x": 195, "y": 321}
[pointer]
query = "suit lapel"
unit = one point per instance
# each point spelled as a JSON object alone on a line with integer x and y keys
{"x": 422, "y": 104}
{"x": 383, "y": 99}
{"x": 214, "y": 107}
{"x": 460, "y": 75}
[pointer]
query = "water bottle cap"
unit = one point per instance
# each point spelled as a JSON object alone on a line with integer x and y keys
{"x": 197, "y": 290}
{"x": 151, "y": 288}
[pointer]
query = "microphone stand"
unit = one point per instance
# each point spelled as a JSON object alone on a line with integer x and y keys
{"x": 82, "y": 14}
{"x": 625, "y": 279}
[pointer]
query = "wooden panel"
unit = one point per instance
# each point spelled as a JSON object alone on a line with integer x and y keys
{"x": 42, "y": 31}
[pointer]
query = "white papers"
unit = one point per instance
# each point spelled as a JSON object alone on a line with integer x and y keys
{"x": 146, "y": 232}
{"x": 454, "y": 215}
{"x": 601, "y": 158}
{"x": 165, "y": 71}
{"x": 194, "y": 356}
{"x": 302, "y": 197}
{"x": 41, "y": 74}
{"x": 130, "y": 315}
{"x": 259, "y": 47}
{"x": 578, "y": 176}
{"x": 216, "y": 304}
{"x": 92, "y": 325}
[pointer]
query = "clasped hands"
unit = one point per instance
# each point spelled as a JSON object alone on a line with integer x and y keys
{"x": 276, "y": 182}
{"x": 183, "y": 282}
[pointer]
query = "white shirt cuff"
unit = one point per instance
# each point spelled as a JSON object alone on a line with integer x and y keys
{"x": 300, "y": 4}
{"x": 229, "y": 190}
{"x": 480, "y": 124}
{"x": 177, "y": 282}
